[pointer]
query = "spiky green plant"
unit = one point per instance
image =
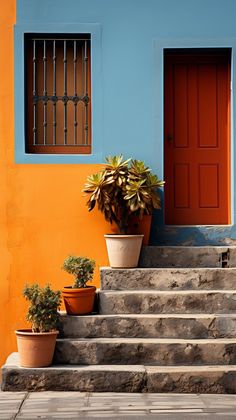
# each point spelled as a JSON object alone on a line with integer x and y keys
{"x": 81, "y": 267}
{"x": 44, "y": 303}
{"x": 124, "y": 187}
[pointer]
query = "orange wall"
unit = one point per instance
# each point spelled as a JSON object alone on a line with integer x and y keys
{"x": 43, "y": 216}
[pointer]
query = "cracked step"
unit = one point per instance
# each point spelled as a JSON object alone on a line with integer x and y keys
{"x": 188, "y": 256}
{"x": 167, "y": 278}
{"x": 172, "y": 302}
{"x": 119, "y": 378}
{"x": 149, "y": 351}
{"x": 152, "y": 326}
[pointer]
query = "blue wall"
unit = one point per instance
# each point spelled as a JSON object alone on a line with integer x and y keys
{"x": 128, "y": 102}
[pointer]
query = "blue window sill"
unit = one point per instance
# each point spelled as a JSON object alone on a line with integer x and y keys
{"x": 41, "y": 158}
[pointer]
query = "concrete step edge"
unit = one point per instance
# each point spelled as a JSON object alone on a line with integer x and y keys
{"x": 147, "y": 316}
{"x": 136, "y": 340}
{"x": 167, "y": 269}
{"x": 168, "y": 292}
{"x": 12, "y": 362}
{"x": 195, "y": 247}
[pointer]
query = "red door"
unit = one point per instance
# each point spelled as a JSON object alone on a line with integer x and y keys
{"x": 197, "y": 147}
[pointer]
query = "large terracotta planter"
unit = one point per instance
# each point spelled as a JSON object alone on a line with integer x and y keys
{"x": 123, "y": 250}
{"x": 141, "y": 226}
{"x": 36, "y": 349}
{"x": 79, "y": 301}
{"x": 137, "y": 226}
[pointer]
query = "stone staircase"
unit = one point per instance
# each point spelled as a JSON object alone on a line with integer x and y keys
{"x": 167, "y": 326}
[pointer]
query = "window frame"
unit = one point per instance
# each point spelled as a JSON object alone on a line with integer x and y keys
{"x": 39, "y": 145}
{"x": 21, "y": 156}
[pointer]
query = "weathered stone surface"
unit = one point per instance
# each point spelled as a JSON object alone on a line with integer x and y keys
{"x": 76, "y": 378}
{"x": 159, "y": 330}
{"x": 192, "y": 379}
{"x": 153, "y": 326}
{"x": 104, "y": 378}
{"x": 145, "y": 351}
{"x": 161, "y": 302}
{"x": 167, "y": 278}
{"x": 187, "y": 256}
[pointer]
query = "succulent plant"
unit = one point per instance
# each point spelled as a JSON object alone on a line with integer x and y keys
{"x": 124, "y": 187}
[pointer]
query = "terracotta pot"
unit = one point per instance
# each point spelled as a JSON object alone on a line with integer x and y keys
{"x": 36, "y": 349}
{"x": 79, "y": 301}
{"x": 137, "y": 226}
{"x": 123, "y": 250}
{"x": 141, "y": 226}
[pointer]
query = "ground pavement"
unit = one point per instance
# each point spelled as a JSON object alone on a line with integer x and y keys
{"x": 88, "y": 406}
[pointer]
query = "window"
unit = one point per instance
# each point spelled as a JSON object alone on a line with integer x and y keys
{"x": 58, "y": 94}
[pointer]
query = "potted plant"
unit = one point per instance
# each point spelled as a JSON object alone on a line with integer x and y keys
{"x": 36, "y": 345}
{"x": 122, "y": 191}
{"x": 79, "y": 298}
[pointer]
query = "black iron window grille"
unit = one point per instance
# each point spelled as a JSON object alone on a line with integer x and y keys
{"x": 58, "y": 94}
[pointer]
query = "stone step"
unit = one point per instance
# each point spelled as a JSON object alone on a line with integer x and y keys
{"x": 167, "y": 278}
{"x": 72, "y": 378}
{"x": 150, "y": 351}
{"x": 192, "y": 379}
{"x": 188, "y": 256}
{"x": 149, "y": 326}
{"x": 118, "y": 378}
{"x": 164, "y": 302}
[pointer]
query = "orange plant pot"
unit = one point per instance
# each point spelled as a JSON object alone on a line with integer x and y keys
{"x": 138, "y": 226}
{"x": 36, "y": 349}
{"x": 142, "y": 226}
{"x": 79, "y": 301}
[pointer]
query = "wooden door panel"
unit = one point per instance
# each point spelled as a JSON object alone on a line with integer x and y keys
{"x": 181, "y": 191}
{"x": 207, "y": 105}
{"x": 208, "y": 175}
{"x": 197, "y": 117}
{"x": 180, "y": 113}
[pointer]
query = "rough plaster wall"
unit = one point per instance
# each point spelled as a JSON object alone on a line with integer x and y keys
{"x": 43, "y": 216}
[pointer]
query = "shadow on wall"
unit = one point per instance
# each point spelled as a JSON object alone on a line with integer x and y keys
{"x": 162, "y": 234}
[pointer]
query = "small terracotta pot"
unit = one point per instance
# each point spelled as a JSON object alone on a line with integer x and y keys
{"x": 123, "y": 250}
{"x": 79, "y": 301}
{"x": 36, "y": 349}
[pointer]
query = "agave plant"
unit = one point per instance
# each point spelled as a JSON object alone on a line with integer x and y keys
{"x": 124, "y": 187}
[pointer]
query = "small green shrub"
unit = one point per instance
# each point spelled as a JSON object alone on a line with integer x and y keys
{"x": 81, "y": 267}
{"x": 44, "y": 303}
